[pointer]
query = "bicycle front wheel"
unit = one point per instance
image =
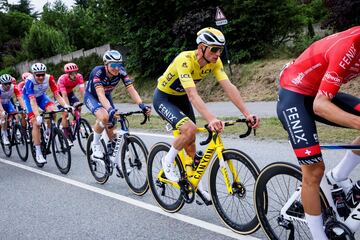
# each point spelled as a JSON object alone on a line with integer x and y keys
{"x": 236, "y": 210}
{"x": 133, "y": 163}
{"x": 83, "y": 132}
{"x": 281, "y": 181}
{"x": 21, "y": 143}
{"x": 61, "y": 151}
{"x": 168, "y": 197}
{"x": 97, "y": 166}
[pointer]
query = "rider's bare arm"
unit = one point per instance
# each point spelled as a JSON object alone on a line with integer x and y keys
{"x": 199, "y": 104}
{"x": 102, "y": 98}
{"x": 234, "y": 95}
{"x": 323, "y": 107}
{"x": 134, "y": 94}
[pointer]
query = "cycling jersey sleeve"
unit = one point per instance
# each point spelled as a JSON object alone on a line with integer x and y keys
{"x": 97, "y": 79}
{"x": 184, "y": 72}
{"x": 125, "y": 77}
{"x": 339, "y": 63}
{"x": 53, "y": 85}
{"x": 61, "y": 84}
{"x": 17, "y": 92}
{"x": 219, "y": 71}
{"x": 29, "y": 89}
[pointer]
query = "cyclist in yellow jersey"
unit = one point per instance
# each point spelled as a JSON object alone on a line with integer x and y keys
{"x": 176, "y": 93}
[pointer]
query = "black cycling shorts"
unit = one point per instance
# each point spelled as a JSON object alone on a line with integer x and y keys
{"x": 296, "y": 114}
{"x": 174, "y": 109}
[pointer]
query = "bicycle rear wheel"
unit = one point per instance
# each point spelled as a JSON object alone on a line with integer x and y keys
{"x": 281, "y": 180}
{"x": 83, "y": 132}
{"x": 21, "y": 143}
{"x": 168, "y": 197}
{"x": 98, "y": 166}
{"x": 61, "y": 151}
{"x": 236, "y": 209}
{"x": 133, "y": 163}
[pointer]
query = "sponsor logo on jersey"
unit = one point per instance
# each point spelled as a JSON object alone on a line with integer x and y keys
{"x": 184, "y": 65}
{"x": 348, "y": 57}
{"x": 332, "y": 78}
{"x": 295, "y": 126}
{"x": 186, "y": 75}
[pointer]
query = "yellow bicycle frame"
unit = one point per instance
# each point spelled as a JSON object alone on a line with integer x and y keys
{"x": 215, "y": 145}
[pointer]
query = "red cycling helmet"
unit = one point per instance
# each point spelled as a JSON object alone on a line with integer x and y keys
{"x": 70, "y": 67}
{"x": 25, "y": 75}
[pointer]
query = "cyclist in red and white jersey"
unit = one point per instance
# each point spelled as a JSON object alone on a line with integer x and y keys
{"x": 309, "y": 91}
{"x": 66, "y": 84}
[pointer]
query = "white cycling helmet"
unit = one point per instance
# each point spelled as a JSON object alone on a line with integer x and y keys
{"x": 112, "y": 56}
{"x": 38, "y": 68}
{"x": 6, "y": 78}
{"x": 210, "y": 36}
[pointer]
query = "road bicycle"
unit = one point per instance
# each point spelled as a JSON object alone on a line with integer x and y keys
{"x": 231, "y": 179}
{"x": 16, "y": 136}
{"x": 79, "y": 128}
{"x": 282, "y": 215}
{"x": 129, "y": 152}
{"x": 55, "y": 139}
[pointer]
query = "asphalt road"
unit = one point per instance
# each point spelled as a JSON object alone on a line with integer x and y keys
{"x": 44, "y": 204}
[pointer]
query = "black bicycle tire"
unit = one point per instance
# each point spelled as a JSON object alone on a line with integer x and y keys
{"x": 24, "y": 140}
{"x": 248, "y": 226}
{"x": 87, "y": 124}
{"x": 133, "y": 139}
{"x": 172, "y": 208}
{"x": 58, "y": 132}
{"x": 270, "y": 171}
{"x": 106, "y": 176}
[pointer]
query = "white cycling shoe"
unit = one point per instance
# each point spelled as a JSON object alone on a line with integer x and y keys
{"x": 97, "y": 153}
{"x": 170, "y": 170}
{"x": 203, "y": 192}
{"x": 345, "y": 184}
{"x": 40, "y": 159}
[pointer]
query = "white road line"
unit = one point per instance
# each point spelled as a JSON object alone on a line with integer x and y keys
{"x": 196, "y": 222}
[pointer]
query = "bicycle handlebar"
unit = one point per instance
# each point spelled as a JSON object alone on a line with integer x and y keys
{"x": 228, "y": 123}
{"x": 125, "y": 114}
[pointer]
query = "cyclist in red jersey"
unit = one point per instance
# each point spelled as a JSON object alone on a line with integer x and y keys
{"x": 66, "y": 83}
{"x": 309, "y": 91}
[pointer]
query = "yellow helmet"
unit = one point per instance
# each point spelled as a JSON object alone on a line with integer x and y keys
{"x": 210, "y": 36}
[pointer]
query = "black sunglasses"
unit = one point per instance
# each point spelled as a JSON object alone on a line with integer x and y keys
{"x": 40, "y": 75}
{"x": 7, "y": 84}
{"x": 215, "y": 49}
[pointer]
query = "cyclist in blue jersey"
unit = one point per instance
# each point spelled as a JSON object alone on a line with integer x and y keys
{"x": 35, "y": 98}
{"x": 102, "y": 81}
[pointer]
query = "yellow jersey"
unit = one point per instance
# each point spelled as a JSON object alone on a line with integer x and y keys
{"x": 185, "y": 71}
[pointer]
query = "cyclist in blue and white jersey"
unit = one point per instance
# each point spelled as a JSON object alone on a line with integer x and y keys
{"x": 102, "y": 81}
{"x": 35, "y": 97}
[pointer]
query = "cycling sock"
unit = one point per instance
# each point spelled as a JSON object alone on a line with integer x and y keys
{"x": 345, "y": 166}
{"x": 171, "y": 155}
{"x": 97, "y": 137}
{"x": 38, "y": 150}
{"x": 316, "y": 226}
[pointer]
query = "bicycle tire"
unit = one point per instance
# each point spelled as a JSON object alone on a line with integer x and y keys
{"x": 32, "y": 147}
{"x": 7, "y": 149}
{"x": 278, "y": 197}
{"x": 159, "y": 190}
{"x": 104, "y": 175}
{"x": 134, "y": 164}
{"x": 83, "y": 135}
{"x": 21, "y": 143}
{"x": 243, "y": 218}
{"x": 61, "y": 145}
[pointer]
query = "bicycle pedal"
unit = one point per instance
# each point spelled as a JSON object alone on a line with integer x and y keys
{"x": 119, "y": 173}
{"x": 199, "y": 203}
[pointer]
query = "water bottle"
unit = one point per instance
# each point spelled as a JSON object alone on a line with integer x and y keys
{"x": 339, "y": 198}
{"x": 197, "y": 158}
{"x": 353, "y": 197}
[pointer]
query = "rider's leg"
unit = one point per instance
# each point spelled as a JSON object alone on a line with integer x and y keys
{"x": 65, "y": 124}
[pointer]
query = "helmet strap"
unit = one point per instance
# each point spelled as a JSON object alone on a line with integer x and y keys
{"x": 203, "y": 54}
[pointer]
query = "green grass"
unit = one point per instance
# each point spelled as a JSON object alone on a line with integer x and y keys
{"x": 270, "y": 129}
